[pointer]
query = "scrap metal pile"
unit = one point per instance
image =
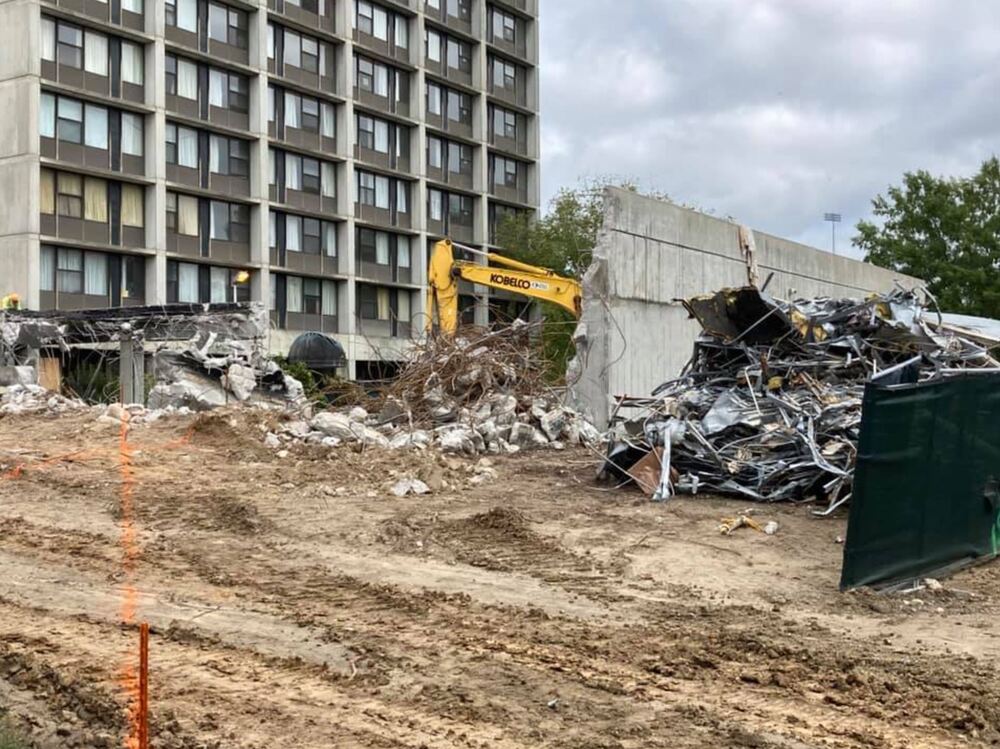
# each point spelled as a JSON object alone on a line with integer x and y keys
{"x": 769, "y": 406}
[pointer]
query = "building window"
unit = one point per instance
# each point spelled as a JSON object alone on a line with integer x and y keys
{"x": 504, "y": 74}
{"x": 132, "y": 134}
{"x": 460, "y": 209}
{"x": 182, "y": 146}
{"x": 69, "y": 271}
{"x": 433, "y": 46}
{"x": 69, "y": 49}
{"x": 95, "y": 200}
{"x": 182, "y": 214}
{"x": 368, "y": 302}
{"x": 403, "y": 252}
{"x": 133, "y": 64}
{"x": 504, "y": 26}
{"x": 459, "y": 55}
{"x": 459, "y": 158}
{"x": 461, "y": 9}
{"x": 311, "y": 179}
{"x": 227, "y": 25}
{"x": 434, "y": 96}
{"x": 435, "y": 205}
{"x": 371, "y": 76}
{"x": 366, "y": 188}
{"x": 435, "y": 152}
{"x": 230, "y": 222}
{"x": 329, "y": 299}
{"x": 69, "y": 195}
{"x": 505, "y": 172}
{"x": 69, "y": 121}
{"x": 229, "y": 156}
{"x": 459, "y": 107}
{"x": 228, "y": 90}
{"x": 183, "y": 14}
{"x": 95, "y": 58}
{"x": 181, "y": 77}
{"x": 504, "y": 123}
{"x": 133, "y": 206}
{"x": 302, "y": 51}
{"x": 312, "y": 293}
{"x": 293, "y": 294}
{"x": 95, "y": 274}
{"x": 132, "y": 6}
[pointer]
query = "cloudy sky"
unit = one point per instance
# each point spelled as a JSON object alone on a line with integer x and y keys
{"x": 770, "y": 111}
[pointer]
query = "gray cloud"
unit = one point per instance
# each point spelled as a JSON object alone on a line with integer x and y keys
{"x": 771, "y": 111}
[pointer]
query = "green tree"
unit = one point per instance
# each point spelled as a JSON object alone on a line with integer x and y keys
{"x": 945, "y": 231}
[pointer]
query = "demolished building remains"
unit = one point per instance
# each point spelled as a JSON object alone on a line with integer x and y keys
{"x": 769, "y": 406}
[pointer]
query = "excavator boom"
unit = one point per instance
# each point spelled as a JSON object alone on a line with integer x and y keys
{"x": 528, "y": 280}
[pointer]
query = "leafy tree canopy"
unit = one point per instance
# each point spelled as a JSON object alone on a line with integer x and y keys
{"x": 945, "y": 231}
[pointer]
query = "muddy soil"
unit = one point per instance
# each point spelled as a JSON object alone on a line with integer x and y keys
{"x": 293, "y": 601}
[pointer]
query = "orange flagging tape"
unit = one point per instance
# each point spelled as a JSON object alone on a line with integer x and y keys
{"x": 143, "y": 686}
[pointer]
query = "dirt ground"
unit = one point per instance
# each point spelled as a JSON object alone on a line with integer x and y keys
{"x": 294, "y": 602}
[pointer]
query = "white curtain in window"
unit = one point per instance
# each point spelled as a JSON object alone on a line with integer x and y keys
{"x": 46, "y": 191}
{"x": 47, "y": 116}
{"x": 436, "y": 200}
{"x": 217, "y": 146}
{"x": 270, "y": 48}
{"x": 96, "y": 135}
{"x": 95, "y": 273}
{"x": 433, "y": 46}
{"x": 218, "y": 22}
{"x": 187, "y": 80}
{"x": 402, "y": 197}
{"x": 133, "y": 206}
{"x": 382, "y": 248}
{"x": 381, "y": 25}
{"x": 381, "y": 80}
{"x": 293, "y": 172}
{"x": 218, "y": 87}
{"x": 293, "y": 233}
{"x": 135, "y": 6}
{"x": 329, "y": 298}
{"x": 330, "y": 239}
{"x": 187, "y": 215}
{"x": 187, "y": 283}
{"x": 292, "y": 111}
{"x": 293, "y": 294}
{"x": 219, "y": 220}
{"x": 95, "y": 48}
{"x": 132, "y": 135}
{"x": 270, "y": 103}
{"x": 219, "y": 284}
{"x": 383, "y": 304}
{"x": 382, "y": 192}
{"x": 48, "y": 39}
{"x": 381, "y": 136}
{"x": 132, "y": 64}
{"x": 187, "y": 15}
{"x": 403, "y": 306}
{"x": 95, "y": 200}
{"x": 328, "y": 180}
{"x": 402, "y": 32}
{"x": 433, "y": 99}
{"x": 272, "y": 166}
{"x": 48, "y": 269}
{"x": 272, "y": 229}
{"x": 403, "y": 251}
{"x": 293, "y": 49}
{"x": 328, "y": 125}
{"x": 187, "y": 147}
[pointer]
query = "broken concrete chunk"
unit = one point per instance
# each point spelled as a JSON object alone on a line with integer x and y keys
{"x": 457, "y": 440}
{"x": 416, "y": 438}
{"x": 333, "y": 425}
{"x": 18, "y": 375}
{"x": 358, "y": 414}
{"x": 405, "y": 487}
{"x": 553, "y": 423}
{"x": 240, "y": 380}
{"x": 272, "y": 441}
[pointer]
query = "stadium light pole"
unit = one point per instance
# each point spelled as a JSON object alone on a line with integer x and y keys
{"x": 834, "y": 219}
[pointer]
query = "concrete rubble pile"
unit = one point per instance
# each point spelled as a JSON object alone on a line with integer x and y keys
{"x": 475, "y": 394}
{"x": 769, "y": 406}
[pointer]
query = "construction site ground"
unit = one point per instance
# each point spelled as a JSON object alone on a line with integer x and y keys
{"x": 294, "y": 602}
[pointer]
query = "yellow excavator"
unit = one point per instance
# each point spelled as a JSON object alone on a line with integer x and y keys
{"x": 444, "y": 273}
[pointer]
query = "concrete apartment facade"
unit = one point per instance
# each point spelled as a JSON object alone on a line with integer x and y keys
{"x": 304, "y": 154}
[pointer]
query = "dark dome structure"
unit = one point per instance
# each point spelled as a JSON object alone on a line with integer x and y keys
{"x": 318, "y": 352}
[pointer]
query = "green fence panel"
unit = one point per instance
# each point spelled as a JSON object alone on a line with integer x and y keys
{"x": 927, "y": 484}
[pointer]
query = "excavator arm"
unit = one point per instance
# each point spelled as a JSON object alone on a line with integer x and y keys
{"x": 445, "y": 272}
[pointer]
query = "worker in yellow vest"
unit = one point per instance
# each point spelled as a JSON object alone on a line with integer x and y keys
{"x": 11, "y": 301}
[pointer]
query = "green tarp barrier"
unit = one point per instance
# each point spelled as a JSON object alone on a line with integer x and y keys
{"x": 927, "y": 484}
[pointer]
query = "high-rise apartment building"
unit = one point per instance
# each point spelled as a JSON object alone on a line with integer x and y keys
{"x": 302, "y": 153}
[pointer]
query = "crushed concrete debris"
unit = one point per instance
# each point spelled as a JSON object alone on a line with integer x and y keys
{"x": 769, "y": 406}
{"x": 473, "y": 395}
{"x": 407, "y": 486}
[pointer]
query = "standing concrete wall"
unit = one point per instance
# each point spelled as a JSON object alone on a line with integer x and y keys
{"x": 650, "y": 253}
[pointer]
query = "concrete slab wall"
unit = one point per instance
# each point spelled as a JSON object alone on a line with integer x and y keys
{"x": 650, "y": 253}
